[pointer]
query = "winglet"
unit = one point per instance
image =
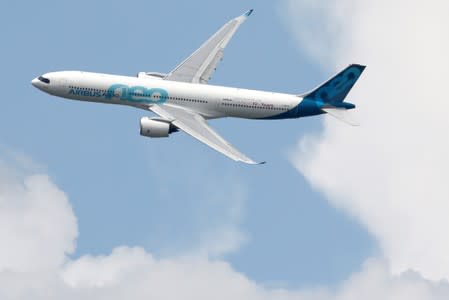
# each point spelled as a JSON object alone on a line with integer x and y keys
{"x": 249, "y": 161}
{"x": 252, "y": 162}
{"x": 249, "y": 12}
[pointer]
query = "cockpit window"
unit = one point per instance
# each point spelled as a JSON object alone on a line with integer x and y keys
{"x": 44, "y": 80}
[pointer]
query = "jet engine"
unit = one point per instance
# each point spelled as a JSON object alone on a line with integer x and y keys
{"x": 156, "y": 128}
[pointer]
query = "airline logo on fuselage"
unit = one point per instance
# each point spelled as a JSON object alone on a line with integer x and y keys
{"x": 85, "y": 93}
{"x": 134, "y": 94}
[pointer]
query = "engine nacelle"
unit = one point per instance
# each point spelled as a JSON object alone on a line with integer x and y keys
{"x": 156, "y": 128}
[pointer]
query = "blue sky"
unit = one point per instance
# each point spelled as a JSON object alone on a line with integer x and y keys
{"x": 168, "y": 195}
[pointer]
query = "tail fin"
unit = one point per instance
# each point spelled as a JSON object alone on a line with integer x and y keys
{"x": 334, "y": 90}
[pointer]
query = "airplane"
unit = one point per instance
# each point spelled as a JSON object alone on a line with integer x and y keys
{"x": 183, "y": 100}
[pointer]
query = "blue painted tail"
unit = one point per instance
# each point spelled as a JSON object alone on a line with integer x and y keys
{"x": 334, "y": 90}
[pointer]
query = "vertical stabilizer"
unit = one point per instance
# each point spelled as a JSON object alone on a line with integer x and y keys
{"x": 336, "y": 89}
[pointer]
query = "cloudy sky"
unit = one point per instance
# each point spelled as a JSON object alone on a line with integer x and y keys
{"x": 89, "y": 209}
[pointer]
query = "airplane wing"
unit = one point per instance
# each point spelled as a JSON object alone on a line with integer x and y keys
{"x": 199, "y": 67}
{"x": 196, "y": 126}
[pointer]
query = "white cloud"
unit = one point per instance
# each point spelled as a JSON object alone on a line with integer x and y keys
{"x": 392, "y": 172}
{"x": 375, "y": 281}
{"x": 41, "y": 232}
{"x": 134, "y": 273}
{"x": 37, "y": 225}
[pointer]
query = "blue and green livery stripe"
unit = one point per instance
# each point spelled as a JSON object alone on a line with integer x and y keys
{"x": 134, "y": 94}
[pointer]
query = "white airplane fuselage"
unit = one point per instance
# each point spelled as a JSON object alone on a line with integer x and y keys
{"x": 208, "y": 100}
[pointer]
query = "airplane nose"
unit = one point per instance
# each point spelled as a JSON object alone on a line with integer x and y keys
{"x": 34, "y": 82}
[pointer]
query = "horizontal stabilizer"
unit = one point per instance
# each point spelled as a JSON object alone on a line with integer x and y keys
{"x": 341, "y": 114}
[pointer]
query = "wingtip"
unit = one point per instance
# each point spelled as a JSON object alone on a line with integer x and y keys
{"x": 249, "y": 12}
{"x": 251, "y": 162}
